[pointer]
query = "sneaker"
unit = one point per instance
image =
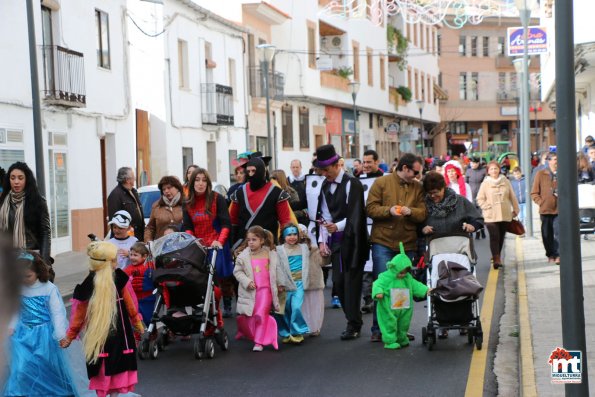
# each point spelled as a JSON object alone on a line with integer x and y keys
{"x": 376, "y": 337}
{"x": 257, "y": 348}
{"x": 335, "y": 302}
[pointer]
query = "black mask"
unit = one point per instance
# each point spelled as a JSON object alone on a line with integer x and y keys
{"x": 259, "y": 179}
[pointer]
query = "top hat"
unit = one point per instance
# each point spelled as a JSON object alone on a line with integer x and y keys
{"x": 325, "y": 156}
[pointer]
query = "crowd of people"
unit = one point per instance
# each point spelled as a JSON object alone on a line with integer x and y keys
{"x": 267, "y": 260}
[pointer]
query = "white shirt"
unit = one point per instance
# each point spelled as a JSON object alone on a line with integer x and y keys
{"x": 326, "y": 214}
{"x": 455, "y": 186}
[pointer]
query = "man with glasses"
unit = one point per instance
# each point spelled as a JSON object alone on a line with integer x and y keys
{"x": 396, "y": 205}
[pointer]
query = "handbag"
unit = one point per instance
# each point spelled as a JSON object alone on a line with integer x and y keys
{"x": 515, "y": 227}
{"x": 455, "y": 281}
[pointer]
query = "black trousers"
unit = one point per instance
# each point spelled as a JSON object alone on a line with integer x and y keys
{"x": 497, "y": 232}
{"x": 549, "y": 235}
{"x": 348, "y": 286}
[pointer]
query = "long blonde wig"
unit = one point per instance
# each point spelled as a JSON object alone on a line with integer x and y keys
{"x": 101, "y": 312}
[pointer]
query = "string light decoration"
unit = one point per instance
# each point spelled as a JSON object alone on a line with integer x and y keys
{"x": 452, "y": 13}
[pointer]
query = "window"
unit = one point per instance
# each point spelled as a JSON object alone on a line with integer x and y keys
{"x": 311, "y": 47}
{"x": 486, "y": 46}
{"x": 513, "y": 82}
{"x": 415, "y": 42}
{"x": 182, "y": 64}
{"x": 474, "y": 83}
{"x": 102, "y": 25}
{"x": 501, "y": 47}
{"x": 409, "y": 80}
{"x": 439, "y": 43}
{"x": 58, "y": 183}
{"x": 416, "y": 84}
{"x": 370, "y": 67}
{"x": 458, "y": 127}
{"x": 370, "y": 120}
{"x": 463, "y": 86}
{"x": 462, "y": 45}
{"x": 473, "y": 46}
{"x": 382, "y": 73}
{"x": 422, "y": 82}
{"x": 304, "y": 127}
{"x": 187, "y": 159}
{"x": 430, "y": 90}
{"x": 232, "y": 76}
{"x": 440, "y": 79}
{"x": 501, "y": 81}
{"x": 356, "y": 62}
{"x": 287, "y": 126}
{"x": 421, "y": 36}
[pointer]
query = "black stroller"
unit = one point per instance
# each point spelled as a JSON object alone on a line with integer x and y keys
{"x": 186, "y": 303}
{"x": 445, "y": 253}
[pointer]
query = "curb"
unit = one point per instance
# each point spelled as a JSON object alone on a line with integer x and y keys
{"x": 527, "y": 373}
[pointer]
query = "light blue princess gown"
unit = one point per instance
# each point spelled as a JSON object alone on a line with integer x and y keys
{"x": 38, "y": 366}
{"x": 292, "y": 322}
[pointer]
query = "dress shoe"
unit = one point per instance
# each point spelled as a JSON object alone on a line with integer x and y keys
{"x": 368, "y": 307}
{"x": 349, "y": 334}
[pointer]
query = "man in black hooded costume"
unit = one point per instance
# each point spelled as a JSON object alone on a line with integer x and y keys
{"x": 343, "y": 234}
{"x": 258, "y": 202}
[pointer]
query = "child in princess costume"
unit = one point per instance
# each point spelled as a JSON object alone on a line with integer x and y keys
{"x": 394, "y": 290}
{"x": 105, "y": 306}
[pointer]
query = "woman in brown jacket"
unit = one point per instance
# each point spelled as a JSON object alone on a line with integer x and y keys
{"x": 499, "y": 205}
{"x": 167, "y": 210}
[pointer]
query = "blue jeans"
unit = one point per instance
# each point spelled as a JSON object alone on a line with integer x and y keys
{"x": 382, "y": 254}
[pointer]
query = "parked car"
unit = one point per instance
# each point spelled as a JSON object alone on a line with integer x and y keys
{"x": 150, "y": 193}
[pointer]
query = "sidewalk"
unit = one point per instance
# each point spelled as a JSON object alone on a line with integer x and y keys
{"x": 71, "y": 268}
{"x": 538, "y": 292}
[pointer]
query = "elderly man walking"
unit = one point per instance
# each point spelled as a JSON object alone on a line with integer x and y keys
{"x": 396, "y": 205}
{"x": 125, "y": 197}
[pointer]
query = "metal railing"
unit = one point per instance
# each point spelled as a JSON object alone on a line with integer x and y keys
{"x": 217, "y": 104}
{"x": 64, "y": 76}
{"x": 276, "y": 83}
{"x": 506, "y": 96}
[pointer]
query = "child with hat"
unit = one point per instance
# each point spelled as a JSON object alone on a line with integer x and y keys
{"x": 120, "y": 226}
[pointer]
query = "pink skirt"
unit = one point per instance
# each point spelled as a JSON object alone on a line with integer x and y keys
{"x": 119, "y": 383}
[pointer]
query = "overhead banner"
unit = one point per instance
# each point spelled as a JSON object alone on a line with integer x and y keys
{"x": 536, "y": 41}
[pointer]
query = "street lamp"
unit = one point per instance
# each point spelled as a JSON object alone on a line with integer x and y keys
{"x": 536, "y": 107}
{"x": 267, "y": 53}
{"x": 354, "y": 90}
{"x": 420, "y": 107}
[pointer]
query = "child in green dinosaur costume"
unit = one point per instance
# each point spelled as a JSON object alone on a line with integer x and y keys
{"x": 394, "y": 290}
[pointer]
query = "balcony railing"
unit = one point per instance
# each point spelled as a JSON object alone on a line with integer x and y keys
{"x": 506, "y": 96}
{"x": 276, "y": 84}
{"x": 64, "y": 76}
{"x": 217, "y": 104}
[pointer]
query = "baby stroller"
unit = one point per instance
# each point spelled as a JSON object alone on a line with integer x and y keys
{"x": 186, "y": 303}
{"x": 586, "y": 209}
{"x": 453, "y": 303}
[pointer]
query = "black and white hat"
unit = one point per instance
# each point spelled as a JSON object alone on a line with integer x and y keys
{"x": 121, "y": 219}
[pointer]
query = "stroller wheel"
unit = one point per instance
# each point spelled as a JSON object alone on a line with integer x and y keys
{"x": 163, "y": 339}
{"x": 222, "y": 340}
{"x": 199, "y": 348}
{"x": 424, "y": 335}
{"x": 210, "y": 348}
{"x": 153, "y": 349}
{"x": 143, "y": 349}
{"x": 478, "y": 341}
{"x": 470, "y": 333}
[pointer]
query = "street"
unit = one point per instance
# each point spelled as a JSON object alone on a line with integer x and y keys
{"x": 326, "y": 366}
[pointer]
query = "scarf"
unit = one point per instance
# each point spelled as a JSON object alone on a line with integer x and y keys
{"x": 17, "y": 200}
{"x": 443, "y": 208}
{"x": 173, "y": 202}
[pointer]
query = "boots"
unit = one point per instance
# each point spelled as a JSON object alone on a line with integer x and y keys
{"x": 496, "y": 262}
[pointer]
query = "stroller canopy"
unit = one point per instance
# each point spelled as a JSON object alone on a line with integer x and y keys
{"x": 171, "y": 242}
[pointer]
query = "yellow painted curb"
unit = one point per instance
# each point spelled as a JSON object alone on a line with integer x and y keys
{"x": 476, "y": 377}
{"x": 527, "y": 373}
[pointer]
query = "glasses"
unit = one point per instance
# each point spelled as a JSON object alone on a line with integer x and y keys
{"x": 415, "y": 172}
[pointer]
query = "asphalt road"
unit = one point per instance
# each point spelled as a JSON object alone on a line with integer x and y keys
{"x": 325, "y": 365}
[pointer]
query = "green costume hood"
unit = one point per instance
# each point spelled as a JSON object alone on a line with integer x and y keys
{"x": 400, "y": 262}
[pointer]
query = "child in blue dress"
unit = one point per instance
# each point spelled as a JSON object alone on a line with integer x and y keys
{"x": 38, "y": 366}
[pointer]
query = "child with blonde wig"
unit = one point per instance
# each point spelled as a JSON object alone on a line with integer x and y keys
{"x": 105, "y": 306}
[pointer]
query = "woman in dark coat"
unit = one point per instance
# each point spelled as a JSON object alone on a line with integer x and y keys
{"x": 24, "y": 212}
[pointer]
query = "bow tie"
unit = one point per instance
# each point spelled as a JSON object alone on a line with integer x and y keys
{"x": 331, "y": 182}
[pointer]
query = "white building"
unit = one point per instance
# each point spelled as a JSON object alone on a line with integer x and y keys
{"x": 86, "y": 112}
{"x": 314, "y": 53}
{"x": 188, "y": 88}
{"x": 584, "y": 50}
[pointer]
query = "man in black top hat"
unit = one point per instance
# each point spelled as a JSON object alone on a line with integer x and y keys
{"x": 258, "y": 202}
{"x": 342, "y": 233}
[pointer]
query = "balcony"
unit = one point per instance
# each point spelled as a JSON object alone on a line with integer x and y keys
{"x": 506, "y": 96}
{"x": 276, "y": 84}
{"x": 330, "y": 79}
{"x": 504, "y": 62}
{"x": 64, "y": 77}
{"x": 217, "y": 104}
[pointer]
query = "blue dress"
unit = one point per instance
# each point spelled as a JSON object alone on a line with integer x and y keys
{"x": 38, "y": 366}
{"x": 292, "y": 322}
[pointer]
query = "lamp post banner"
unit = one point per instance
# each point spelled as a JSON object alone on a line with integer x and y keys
{"x": 536, "y": 43}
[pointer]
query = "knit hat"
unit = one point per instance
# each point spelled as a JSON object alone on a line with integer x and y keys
{"x": 453, "y": 164}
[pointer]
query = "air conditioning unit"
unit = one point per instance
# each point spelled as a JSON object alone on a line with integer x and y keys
{"x": 336, "y": 42}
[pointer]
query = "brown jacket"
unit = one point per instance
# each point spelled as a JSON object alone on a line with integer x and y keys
{"x": 386, "y": 192}
{"x": 542, "y": 192}
{"x": 497, "y": 200}
{"x": 162, "y": 216}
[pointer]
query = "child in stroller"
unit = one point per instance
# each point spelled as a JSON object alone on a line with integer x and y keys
{"x": 453, "y": 303}
{"x": 184, "y": 283}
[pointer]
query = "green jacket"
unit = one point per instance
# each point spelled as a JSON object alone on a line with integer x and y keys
{"x": 386, "y": 192}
